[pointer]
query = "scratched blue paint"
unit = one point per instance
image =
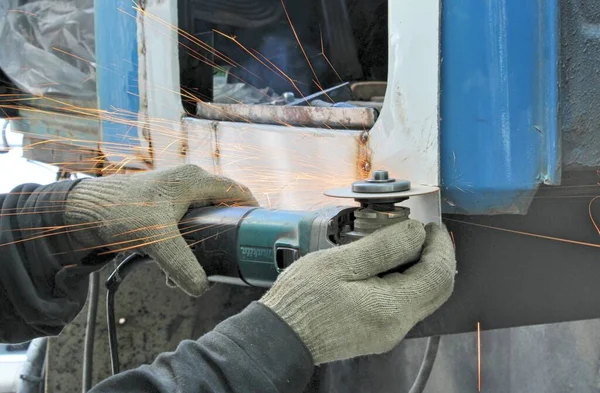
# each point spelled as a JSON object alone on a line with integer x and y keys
{"x": 117, "y": 74}
{"x": 499, "y": 80}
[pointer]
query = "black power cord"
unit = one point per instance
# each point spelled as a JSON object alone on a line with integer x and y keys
{"x": 131, "y": 262}
{"x": 431, "y": 351}
{"x": 90, "y": 333}
{"x": 112, "y": 285}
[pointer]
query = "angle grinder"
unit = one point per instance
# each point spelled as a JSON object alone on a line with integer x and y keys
{"x": 252, "y": 245}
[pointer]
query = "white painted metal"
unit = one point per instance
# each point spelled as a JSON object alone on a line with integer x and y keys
{"x": 405, "y": 139}
{"x": 290, "y": 167}
{"x": 285, "y": 167}
{"x": 161, "y": 111}
{"x": 10, "y": 369}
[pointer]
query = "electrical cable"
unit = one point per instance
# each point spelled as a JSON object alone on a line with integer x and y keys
{"x": 431, "y": 351}
{"x": 112, "y": 333}
{"x": 112, "y": 285}
{"x": 90, "y": 333}
{"x": 132, "y": 261}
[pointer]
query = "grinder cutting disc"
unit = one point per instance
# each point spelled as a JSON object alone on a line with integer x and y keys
{"x": 380, "y": 186}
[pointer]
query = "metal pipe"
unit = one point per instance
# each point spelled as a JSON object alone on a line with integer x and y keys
{"x": 90, "y": 333}
{"x": 427, "y": 365}
{"x": 112, "y": 285}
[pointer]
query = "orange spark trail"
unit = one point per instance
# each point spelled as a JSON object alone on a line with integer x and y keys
{"x": 234, "y": 40}
{"x": 299, "y": 43}
{"x": 478, "y": 357}
{"x": 24, "y": 12}
{"x": 592, "y": 216}
{"x": 558, "y": 239}
{"x": 183, "y": 33}
{"x": 210, "y": 237}
{"x": 327, "y": 59}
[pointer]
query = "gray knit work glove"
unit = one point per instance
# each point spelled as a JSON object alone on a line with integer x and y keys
{"x": 339, "y": 306}
{"x": 142, "y": 211}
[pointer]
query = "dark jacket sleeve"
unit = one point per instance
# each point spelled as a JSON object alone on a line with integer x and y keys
{"x": 43, "y": 281}
{"x": 254, "y": 351}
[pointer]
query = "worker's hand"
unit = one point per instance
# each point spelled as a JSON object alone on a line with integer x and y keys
{"x": 339, "y": 306}
{"x": 142, "y": 211}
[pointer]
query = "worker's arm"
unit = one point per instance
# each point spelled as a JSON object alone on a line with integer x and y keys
{"x": 254, "y": 351}
{"x": 329, "y": 305}
{"x": 41, "y": 285}
{"x": 52, "y": 237}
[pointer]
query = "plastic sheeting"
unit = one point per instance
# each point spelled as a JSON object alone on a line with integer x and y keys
{"x": 47, "y": 47}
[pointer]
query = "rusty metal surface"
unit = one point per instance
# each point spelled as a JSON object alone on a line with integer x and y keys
{"x": 58, "y": 103}
{"x": 53, "y": 136}
{"x": 67, "y": 157}
{"x": 337, "y": 118}
{"x": 57, "y": 126}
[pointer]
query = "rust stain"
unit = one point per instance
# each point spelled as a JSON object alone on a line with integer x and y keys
{"x": 151, "y": 153}
{"x": 553, "y": 238}
{"x": 184, "y": 149}
{"x": 217, "y": 149}
{"x": 363, "y": 159}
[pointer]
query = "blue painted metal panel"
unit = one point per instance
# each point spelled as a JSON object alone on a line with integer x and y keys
{"x": 499, "y": 128}
{"x": 117, "y": 75}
